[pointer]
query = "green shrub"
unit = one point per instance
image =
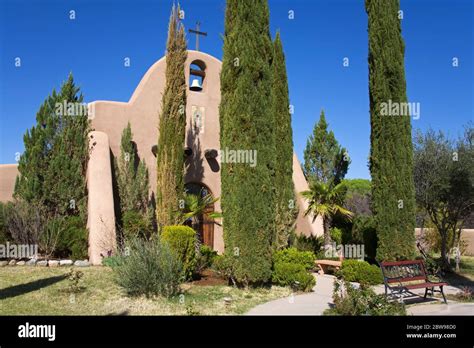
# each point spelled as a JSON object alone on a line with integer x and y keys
{"x": 363, "y": 231}
{"x": 73, "y": 239}
{"x": 182, "y": 241}
{"x": 25, "y": 221}
{"x": 135, "y": 224}
{"x": 361, "y": 272}
{"x": 4, "y": 234}
{"x": 224, "y": 266}
{"x": 112, "y": 261}
{"x": 308, "y": 243}
{"x": 75, "y": 285}
{"x": 52, "y": 236}
{"x": 149, "y": 269}
{"x": 205, "y": 258}
{"x": 433, "y": 266}
{"x": 293, "y": 255}
{"x": 323, "y": 255}
{"x": 290, "y": 268}
{"x": 346, "y": 237}
{"x": 349, "y": 300}
{"x": 336, "y": 235}
{"x": 294, "y": 275}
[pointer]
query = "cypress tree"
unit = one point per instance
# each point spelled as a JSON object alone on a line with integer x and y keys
{"x": 391, "y": 154}
{"x": 324, "y": 159}
{"x": 286, "y": 210}
{"x": 246, "y": 122}
{"x": 170, "y": 153}
{"x": 132, "y": 176}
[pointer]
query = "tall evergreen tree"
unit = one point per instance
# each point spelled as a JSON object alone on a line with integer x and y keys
{"x": 324, "y": 159}
{"x": 286, "y": 210}
{"x": 132, "y": 176}
{"x": 65, "y": 180}
{"x": 33, "y": 163}
{"x": 246, "y": 121}
{"x": 391, "y": 154}
{"x": 170, "y": 155}
{"x": 53, "y": 165}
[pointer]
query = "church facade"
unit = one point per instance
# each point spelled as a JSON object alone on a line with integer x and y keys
{"x": 201, "y": 148}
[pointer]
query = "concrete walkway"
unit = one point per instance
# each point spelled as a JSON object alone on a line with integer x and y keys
{"x": 316, "y": 302}
{"x": 313, "y": 303}
{"x": 452, "y": 308}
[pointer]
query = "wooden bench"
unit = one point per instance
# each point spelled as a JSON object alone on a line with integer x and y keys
{"x": 325, "y": 264}
{"x": 402, "y": 276}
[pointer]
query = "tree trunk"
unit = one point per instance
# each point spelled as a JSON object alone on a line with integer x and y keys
{"x": 445, "y": 265}
{"x": 327, "y": 235}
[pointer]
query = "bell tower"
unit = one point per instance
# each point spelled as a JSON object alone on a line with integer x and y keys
{"x": 197, "y": 75}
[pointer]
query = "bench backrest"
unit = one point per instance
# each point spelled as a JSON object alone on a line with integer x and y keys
{"x": 403, "y": 271}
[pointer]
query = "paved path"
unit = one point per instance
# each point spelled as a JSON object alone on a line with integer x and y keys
{"x": 313, "y": 303}
{"x": 452, "y": 308}
{"x": 316, "y": 302}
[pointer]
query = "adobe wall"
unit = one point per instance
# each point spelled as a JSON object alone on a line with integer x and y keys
{"x": 304, "y": 224}
{"x": 8, "y": 173}
{"x": 100, "y": 203}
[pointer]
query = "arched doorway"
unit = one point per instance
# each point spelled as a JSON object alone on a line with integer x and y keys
{"x": 202, "y": 224}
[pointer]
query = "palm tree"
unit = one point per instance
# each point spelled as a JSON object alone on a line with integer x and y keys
{"x": 326, "y": 200}
{"x": 196, "y": 206}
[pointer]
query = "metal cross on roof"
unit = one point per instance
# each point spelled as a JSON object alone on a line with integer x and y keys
{"x": 197, "y": 32}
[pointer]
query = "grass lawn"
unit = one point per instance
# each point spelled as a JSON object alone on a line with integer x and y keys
{"x": 465, "y": 276}
{"x": 466, "y": 266}
{"x": 44, "y": 291}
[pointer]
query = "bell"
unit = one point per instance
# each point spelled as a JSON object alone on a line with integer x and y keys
{"x": 196, "y": 86}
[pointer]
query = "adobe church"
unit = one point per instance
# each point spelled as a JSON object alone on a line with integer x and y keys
{"x": 201, "y": 149}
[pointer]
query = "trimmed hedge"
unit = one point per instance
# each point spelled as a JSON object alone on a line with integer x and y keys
{"x": 294, "y": 275}
{"x": 293, "y": 255}
{"x": 361, "y": 272}
{"x": 182, "y": 241}
{"x": 291, "y": 268}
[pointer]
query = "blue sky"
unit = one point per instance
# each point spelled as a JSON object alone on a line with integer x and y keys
{"x": 322, "y": 33}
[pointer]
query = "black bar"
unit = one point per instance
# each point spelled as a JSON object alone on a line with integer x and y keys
{"x": 260, "y": 330}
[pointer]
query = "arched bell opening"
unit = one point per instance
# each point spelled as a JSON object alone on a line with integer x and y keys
{"x": 197, "y": 76}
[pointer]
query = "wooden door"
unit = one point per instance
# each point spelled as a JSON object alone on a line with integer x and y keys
{"x": 208, "y": 228}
